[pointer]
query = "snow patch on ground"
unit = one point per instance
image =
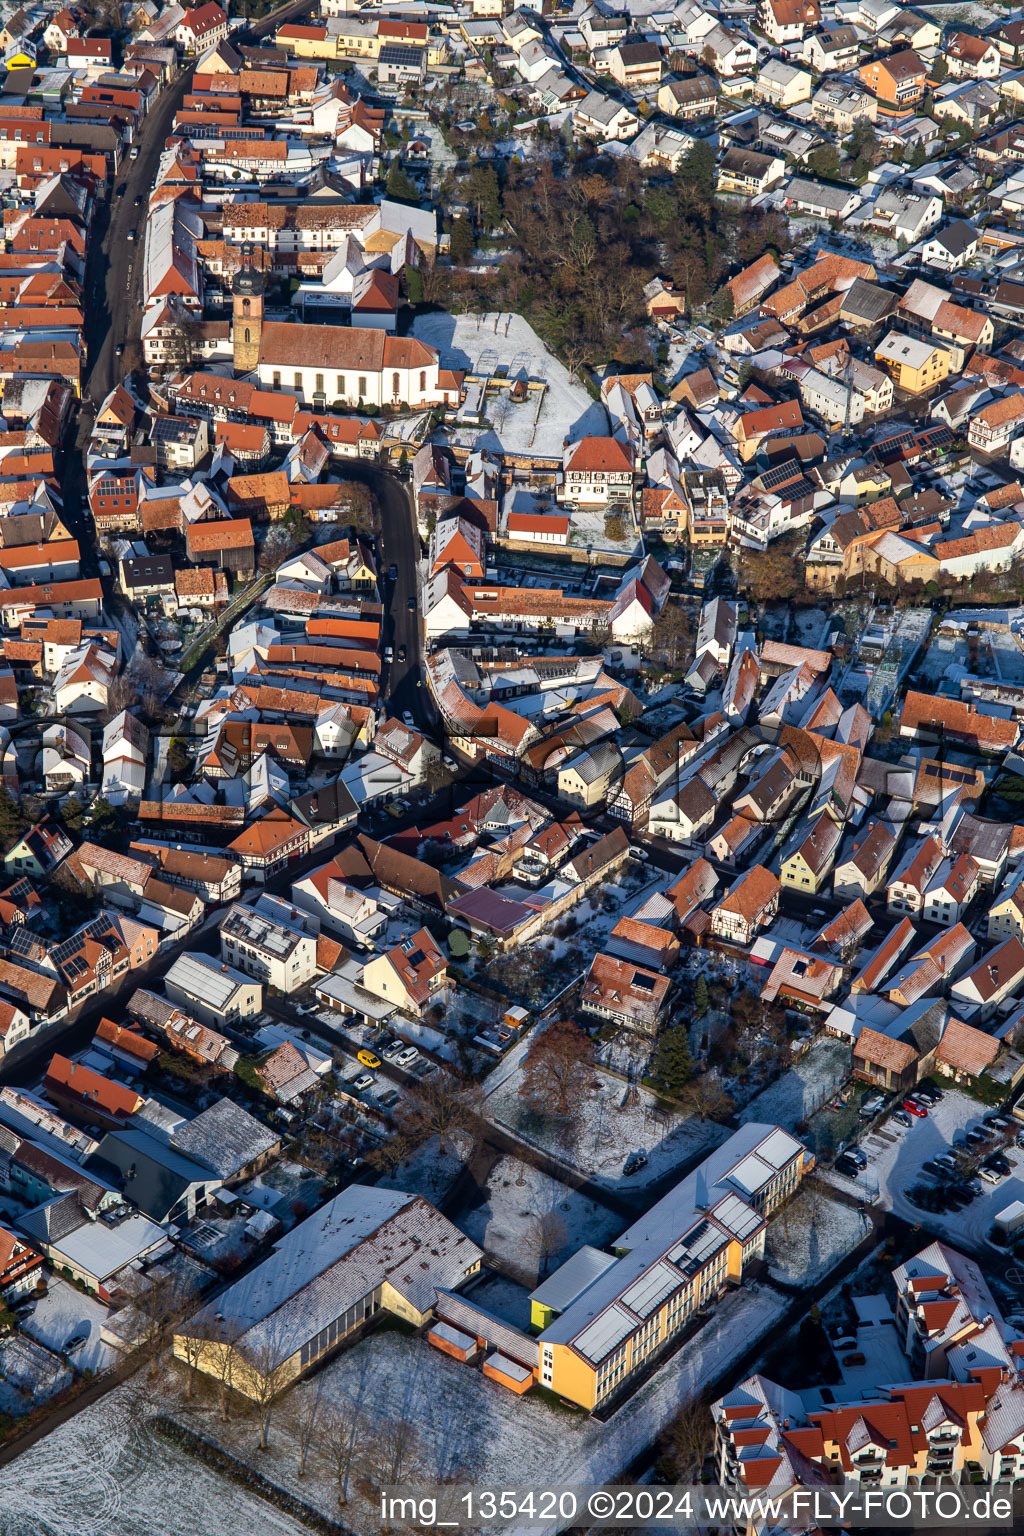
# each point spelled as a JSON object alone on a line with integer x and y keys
{"x": 104, "y": 1473}
{"x": 65, "y": 1311}
{"x": 614, "y": 1123}
{"x": 484, "y": 343}
{"x": 810, "y": 1236}
{"x": 531, "y": 1222}
{"x": 804, "y": 1088}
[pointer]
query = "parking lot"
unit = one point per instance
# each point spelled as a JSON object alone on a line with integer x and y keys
{"x": 896, "y": 1156}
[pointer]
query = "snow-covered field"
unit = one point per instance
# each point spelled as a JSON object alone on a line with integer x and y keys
{"x": 811, "y": 1235}
{"x": 610, "y": 1129}
{"x": 895, "y": 1156}
{"x": 104, "y": 1473}
{"x": 65, "y": 1311}
{"x": 483, "y": 343}
{"x": 527, "y": 1217}
{"x": 804, "y": 1087}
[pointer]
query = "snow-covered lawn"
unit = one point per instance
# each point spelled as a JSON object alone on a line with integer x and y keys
{"x": 610, "y": 1129}
{"x": 66, "y": 1311}
{"x": 428, "y": 1171}
{"x": 804, "y": 1087}
{"x": 104, "y": 1473}
{"x": 483, "y": 344}
{"x": 527, "y": 1217}
{"x": 811, "y": 1235}
{"x": 895, "y": 1156}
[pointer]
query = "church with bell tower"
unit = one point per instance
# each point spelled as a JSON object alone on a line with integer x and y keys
{"x": 247, "y": 314}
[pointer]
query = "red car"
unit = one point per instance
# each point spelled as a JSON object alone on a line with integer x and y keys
{"x": 914, "y": 1108}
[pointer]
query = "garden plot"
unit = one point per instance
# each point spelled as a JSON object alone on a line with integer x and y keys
{"x": 29, "y": 1374}
{"x": 531, "y": 1222}
{"x": 810, "y": 1236}
{"x": 614, "y": 1122}
{"x": 65, "y": 1312}
{"x": 895, "y": 1156}
{"x": 104, "y": 1473}
{"x": 804, "y": 1088}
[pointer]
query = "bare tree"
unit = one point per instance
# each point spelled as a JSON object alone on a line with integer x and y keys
{"x": 547, "y": 1236}
{"x": 443, "y": 1105}
{"x": 258, "y": 1374}
{"x": 706, "y": 1098}
{"x": 193, "y": 1343}
{"x": 155, "y": 1307}
{"x": 393, "y": 1444}
{"x": 339, "y": 1429}
{"x": 558, "y": 1067}
{"x": 305, "y": 1414}
{"x": 686, "y": 1441}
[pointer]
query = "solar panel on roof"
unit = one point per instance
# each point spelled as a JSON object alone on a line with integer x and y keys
{"x": 646, "y": 1295}
{"x": 606, "y": 1332}
{"x": 789, "y": 470}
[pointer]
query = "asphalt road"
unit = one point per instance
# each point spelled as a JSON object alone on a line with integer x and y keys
{"x": 404, "y": 682}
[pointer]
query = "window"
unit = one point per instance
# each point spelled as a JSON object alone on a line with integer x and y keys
{"x": 423, "y": 381}
{"x": 277, "y": 379}
{"x": 341, "y": 383}
{"x": 362, "y": 385}
{"x": 394, "y": 383}
{"x": 319, "y": 383}
{"x": 298, "y": 380}
{"x": 247, "y": 335}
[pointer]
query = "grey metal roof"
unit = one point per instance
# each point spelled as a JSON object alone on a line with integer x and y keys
{"x": 571, "y": 1279}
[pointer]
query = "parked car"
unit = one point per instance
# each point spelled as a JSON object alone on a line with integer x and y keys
{"x": 391, "y": 1049}
{"x": 991, "y": 1176}
{"x": 634, "y": 1162}
{"x": 363, "y": 1081}
{"x": 368, "y": 1059}
{"x": 936, "y": 1170}
{"x": 856, "y": 1156}
{"x": 915, "y": 1109}
{"x": 408, "y": 1056}
{"x": 872, "y": 1104}
{"x": 846, "y": 1167}
{"x": 999, "y": 1163}
{"x": 402, "y": 653}
{"x": 930, "y": 1093}
{"x": 639, "y": 853}
{"x": 901, "y": 1117}
{"x": 131, "y": 237}
{"x": 389, "y": 654}
{"x": 407, "y": 718}
{"x": 392, "y": 572}
{"x": 75, "y": 1342}
{"x": 411, "y": 604}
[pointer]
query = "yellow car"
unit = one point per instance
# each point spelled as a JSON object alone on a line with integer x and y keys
{"x": 368, "y": 1059}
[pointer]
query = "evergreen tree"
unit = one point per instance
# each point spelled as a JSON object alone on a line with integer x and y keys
{"x": 400, "y": 184}
{"x": 672, "y": 1065}
{"x": 701, "y": 1001}
{"x": 462, "y": 241}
